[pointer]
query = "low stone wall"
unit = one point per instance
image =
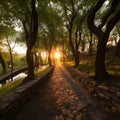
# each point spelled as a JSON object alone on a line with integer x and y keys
{"x": 109, "y": 96}
{"x": 13, "y": 101}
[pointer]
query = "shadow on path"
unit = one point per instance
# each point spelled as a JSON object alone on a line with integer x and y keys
{"x": 61, "y": 97}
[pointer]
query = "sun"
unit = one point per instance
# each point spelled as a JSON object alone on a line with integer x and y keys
{"x": 57, "y": 55}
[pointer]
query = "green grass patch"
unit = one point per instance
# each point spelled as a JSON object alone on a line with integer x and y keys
{"x": 70, "y": 63}
{"x": 88, "y": 70}
{"x": 6, "y": 88}
{"x": 41, "y": 69}
{"x": 87, "y": 66}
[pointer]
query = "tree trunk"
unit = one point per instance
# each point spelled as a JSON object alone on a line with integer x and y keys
{"x": 76, "y": 57}
{"x": 36, "y": 60}
{"x": 40, "y": 59}
{"x": 29, "y": 58}
{"x": 90, "y": 44}
{"x": 70, "y": 28}
{"x": 11, "y": 62}
{"x": 49, "y": 58}
{"x": 74, "y": 52}
{"x": 3, "y": 63}
{"x": 83, "y": 46}
{"x": 31, "y": 37}
{"x": 117, "y": 52}
{"x": 100, "y": 70}
{"x": 63, "y": 48}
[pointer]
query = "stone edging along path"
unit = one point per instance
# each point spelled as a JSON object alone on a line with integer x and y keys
{"x": 13, "y": 101}
{"x": 109, "y": 96}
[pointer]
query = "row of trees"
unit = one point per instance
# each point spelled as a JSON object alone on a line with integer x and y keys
{"x": 6, "y": 41}
{"x": 70, "y": 24}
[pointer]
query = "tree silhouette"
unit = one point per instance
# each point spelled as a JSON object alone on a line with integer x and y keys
{"x": 102, "y": 31}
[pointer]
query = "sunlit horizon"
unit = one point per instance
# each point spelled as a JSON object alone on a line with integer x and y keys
{"x": 20, "y": 49}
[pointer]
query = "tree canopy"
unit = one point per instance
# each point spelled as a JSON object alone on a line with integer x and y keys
{"x": 76, "y": 26}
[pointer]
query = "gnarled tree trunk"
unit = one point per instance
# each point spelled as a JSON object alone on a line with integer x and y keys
{"x": 49, "y": 58}
{"x": 117, "y": 52}
{"x": 100, "y": 70}
{"x": 31, "y": 37}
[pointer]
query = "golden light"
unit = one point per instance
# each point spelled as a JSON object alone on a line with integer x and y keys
{"x": 19, "y": 49}
{"x": 44, "y": 54}
{"x": 57, "y": 55}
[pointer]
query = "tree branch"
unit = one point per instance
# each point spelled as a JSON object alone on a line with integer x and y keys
{"x": 65, "y": 11}
{"x": 91, "y": 17}
{"x": 35, "y": 19}
{"x": 110, "y": 12}
{"x": 112, "y": 22}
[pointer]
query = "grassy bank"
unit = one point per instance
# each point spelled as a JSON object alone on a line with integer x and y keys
{"x": 87, "y": 66}
{"x": 6, "y": 88}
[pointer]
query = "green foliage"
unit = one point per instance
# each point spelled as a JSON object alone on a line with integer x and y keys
{"x": 6, "y": 31}
{"x": 6, "y": 56}
{"x": 52, "y": 25}
{"x": 5, "y": 17}
{"x": 49, "y": 26}
{"x": 21, "y": 37}
{"x": 19, "y": 61}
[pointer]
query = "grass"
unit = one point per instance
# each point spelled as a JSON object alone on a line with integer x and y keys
{"x": 40, "y": 70}
{"x": 112, "y": 65}
{"x": 6, "y": 88}
{"x": 86, "y": 64}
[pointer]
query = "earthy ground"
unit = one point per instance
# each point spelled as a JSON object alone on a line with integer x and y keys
{"x": 61, "y": 97}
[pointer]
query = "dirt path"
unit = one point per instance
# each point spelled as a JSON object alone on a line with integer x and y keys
{"x": 60, "y": 97}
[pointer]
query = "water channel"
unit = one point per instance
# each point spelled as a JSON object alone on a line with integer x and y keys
{"x": 17, "y": 77}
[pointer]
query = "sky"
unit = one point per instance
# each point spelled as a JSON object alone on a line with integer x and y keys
{"x": 20, "y": 49}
